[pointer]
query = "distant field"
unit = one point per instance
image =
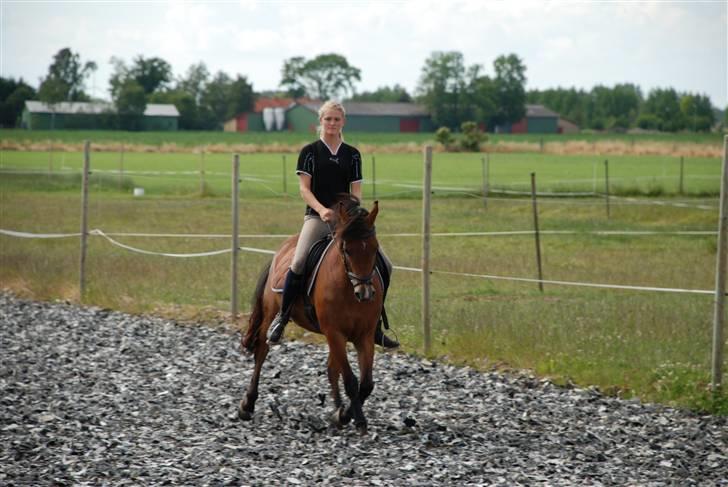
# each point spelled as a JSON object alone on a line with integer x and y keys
{"x": 387, "y": 174}
{"x": 194, "y": 139}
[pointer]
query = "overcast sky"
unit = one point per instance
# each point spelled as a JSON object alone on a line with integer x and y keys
{"x": 679, "y": 44}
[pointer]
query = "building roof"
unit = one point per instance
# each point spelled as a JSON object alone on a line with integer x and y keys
{"x": 377, "y": 109}
{"x": 540, "y": 111}
{"x": 83, "y": 107}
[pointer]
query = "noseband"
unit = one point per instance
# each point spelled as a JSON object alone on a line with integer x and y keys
{"x": 356, "y": 279}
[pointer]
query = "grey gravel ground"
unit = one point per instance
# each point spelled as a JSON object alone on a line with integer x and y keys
{"x": 94, "y": 397}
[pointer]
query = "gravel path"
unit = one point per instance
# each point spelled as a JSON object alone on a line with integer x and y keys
{"x": 94, "y": 397}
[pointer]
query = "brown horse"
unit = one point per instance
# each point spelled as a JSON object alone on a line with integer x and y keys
{"x": 347, "y": 298}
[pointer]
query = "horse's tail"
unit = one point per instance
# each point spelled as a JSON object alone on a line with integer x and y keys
{"x": 250, "y": 339}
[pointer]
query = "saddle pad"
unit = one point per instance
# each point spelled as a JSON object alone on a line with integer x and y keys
{"x": 283, "y": 258}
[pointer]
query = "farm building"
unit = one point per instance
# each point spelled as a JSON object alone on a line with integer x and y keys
{"x": 566, "y": 126}
{"x": 270, "y": 111}
{"x": 92, "y": 115}
{"x": 302, "y": 116}
{"x": 538, "y": 120}
{"x": 365, "y": 117}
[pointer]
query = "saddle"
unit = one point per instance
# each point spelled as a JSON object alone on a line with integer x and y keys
{"x": 316, "y": 254}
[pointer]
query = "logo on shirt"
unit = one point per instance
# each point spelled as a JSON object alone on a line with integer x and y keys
{"x": 334, "y": 159}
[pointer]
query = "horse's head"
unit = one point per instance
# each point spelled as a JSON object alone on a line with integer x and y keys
{"x": 357, "y": 241}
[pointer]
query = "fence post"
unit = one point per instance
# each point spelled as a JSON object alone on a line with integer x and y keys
{"x": 485, "y": 180}
{"x": 426, "y": 201}
{"x": 536, "y": 231}
{"x": 606, "y": 185}
{"x": 202, "y": 171}
{"x": 84, "y": 219}
{"x": 374, "y": 179}
{"x": 50, "y": 158}
{"x": 121, "y": 168}
{"x": 235, "y": 247}
{"x": 682, "y": 173}
{"x": 285, "y": 179}
{"x": 720, "y": 276}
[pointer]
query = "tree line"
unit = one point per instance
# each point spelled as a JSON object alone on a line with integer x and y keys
{"x": 452, "y": 92}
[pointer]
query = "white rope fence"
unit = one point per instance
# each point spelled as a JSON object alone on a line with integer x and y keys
{"x": 108, "y": 237}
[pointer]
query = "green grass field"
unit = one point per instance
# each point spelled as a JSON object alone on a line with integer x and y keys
{"x": 194, "y": 139}
{"x": 388, "y": 175}
{"x": 655, "y": 346}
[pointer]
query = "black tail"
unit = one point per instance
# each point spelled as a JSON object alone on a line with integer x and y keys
{"x": 250, "y": 339}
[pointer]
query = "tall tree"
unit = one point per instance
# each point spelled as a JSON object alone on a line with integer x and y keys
{"x": 510, "y": 80}
{"x": 152, "y": 74}
{"x": 13, "y": 95}
{"x": 194, "y": 81}
{"x": 697, "y": 111}
{"x": 66, "y": 77}
{"x": 664, "y": 105}
{"x": 224, "y": 98}
{"x": 131, "y": 101}
{"x": 324, "y": 77}
{"x": 442, "y": 87}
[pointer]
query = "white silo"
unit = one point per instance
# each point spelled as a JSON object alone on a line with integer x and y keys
{"x": 280, "y": 116}
{"x": 268, "y": 118}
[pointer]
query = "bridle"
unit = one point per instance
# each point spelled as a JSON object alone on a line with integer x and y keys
{"x": 357, "y": 281}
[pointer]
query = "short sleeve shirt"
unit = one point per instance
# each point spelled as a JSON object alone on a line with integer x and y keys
{"x": 331, "y": 174}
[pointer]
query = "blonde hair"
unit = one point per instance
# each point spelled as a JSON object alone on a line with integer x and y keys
{"x": 330, "y": 105}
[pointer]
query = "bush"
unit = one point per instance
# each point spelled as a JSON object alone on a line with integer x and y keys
{"x": 444, "y": 137}
{"x": 472, "y": 137}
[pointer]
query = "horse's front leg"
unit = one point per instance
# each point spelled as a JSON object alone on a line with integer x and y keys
{"x": 339, "y": 366}
{"x": 247, "y": 405}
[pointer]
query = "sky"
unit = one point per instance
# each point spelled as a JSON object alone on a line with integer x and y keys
{"x": 580, "y": 44}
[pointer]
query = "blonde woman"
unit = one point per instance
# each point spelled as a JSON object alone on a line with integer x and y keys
{"x": 327, "y": 167}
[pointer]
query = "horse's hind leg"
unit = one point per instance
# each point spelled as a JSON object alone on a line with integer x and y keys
{"x": 247, "y": 405}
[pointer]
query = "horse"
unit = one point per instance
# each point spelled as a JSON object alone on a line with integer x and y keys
{"x": 347, "y": 298}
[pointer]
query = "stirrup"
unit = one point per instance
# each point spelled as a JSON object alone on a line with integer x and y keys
{"x": 276, "y": 329}
{"x": 384, "y": 341}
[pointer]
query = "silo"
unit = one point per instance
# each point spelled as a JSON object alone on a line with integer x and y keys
{"x": 280, "y": 116}
{"x": 268, "y": 118}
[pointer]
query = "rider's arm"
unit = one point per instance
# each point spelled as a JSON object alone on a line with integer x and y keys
{"x": 304, "y": 188}
{"x": 356, "y": 189}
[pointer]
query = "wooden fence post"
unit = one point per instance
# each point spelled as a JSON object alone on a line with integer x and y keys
{"x": 202, "y": 171}
{"x": 374, "y": 179}
{"x": 235, "y": 233}
{"x": 426, "y": 202}
{"x": 84, "y": 219}
{"x": 606, "y": 185}
{"x": 682, "y": 174}
{"x": 720, "y": 276}
{"x": 285, "y": 178}
{"x": 536, "y": 231}
{"x": 121, "y": 167}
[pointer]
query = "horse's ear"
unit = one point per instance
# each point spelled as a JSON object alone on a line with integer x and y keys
{"x": 341, "y": 213}
{"x": 373, "y": 214}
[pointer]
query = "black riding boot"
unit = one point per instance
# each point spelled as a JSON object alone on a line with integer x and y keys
{"x": 379, "y": 337}
{"x": 290, "y": 293}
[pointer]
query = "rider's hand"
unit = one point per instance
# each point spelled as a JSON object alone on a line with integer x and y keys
{"x": 327, "y": 215}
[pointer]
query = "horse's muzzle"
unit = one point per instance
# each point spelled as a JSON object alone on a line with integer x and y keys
{"x": 363, "y": 292}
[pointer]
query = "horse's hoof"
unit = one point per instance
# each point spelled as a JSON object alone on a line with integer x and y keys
{"x": 335, "y": 419}
{"x": 362, "y": 429}
{"x": 243, "y": 413}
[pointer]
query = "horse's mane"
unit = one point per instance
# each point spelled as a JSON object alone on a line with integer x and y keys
{"x": 356, "y": 227}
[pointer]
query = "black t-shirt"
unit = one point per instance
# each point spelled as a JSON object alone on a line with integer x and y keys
{"x": 330, "y": 174}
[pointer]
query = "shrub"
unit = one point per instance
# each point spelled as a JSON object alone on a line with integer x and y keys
{"x": 444, "y": 137}
{"x": 472, "y": 137}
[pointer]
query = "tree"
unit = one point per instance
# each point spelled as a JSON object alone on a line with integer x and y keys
{"x": 665, "y": 105}
{"x": 195, "y": 80}
{"x": 385, "y": 94}
{"x": 224, "y": 98}
{"x": 66, "y": 77}
{"x": 152, "y": 74}
{"x": 510, "y": 80}
{"x": 442, "y": 86}
{"x": 697, "y": 111}
{"x": 327, "y": 76}
{"x": 131, "y": 101}
{"x": 13, "y": 95}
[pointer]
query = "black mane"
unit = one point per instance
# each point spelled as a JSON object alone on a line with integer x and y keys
{"x": 356, "y": 228}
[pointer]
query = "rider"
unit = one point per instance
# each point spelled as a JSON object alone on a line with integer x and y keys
{"x": 326, "y": 167}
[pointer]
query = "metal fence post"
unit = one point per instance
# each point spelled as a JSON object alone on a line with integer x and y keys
{"x": 720, "y": 276}
{"x": 235, "y": 235}
{"x": 426, "y": 202}
{"x": 84, "y": 219}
